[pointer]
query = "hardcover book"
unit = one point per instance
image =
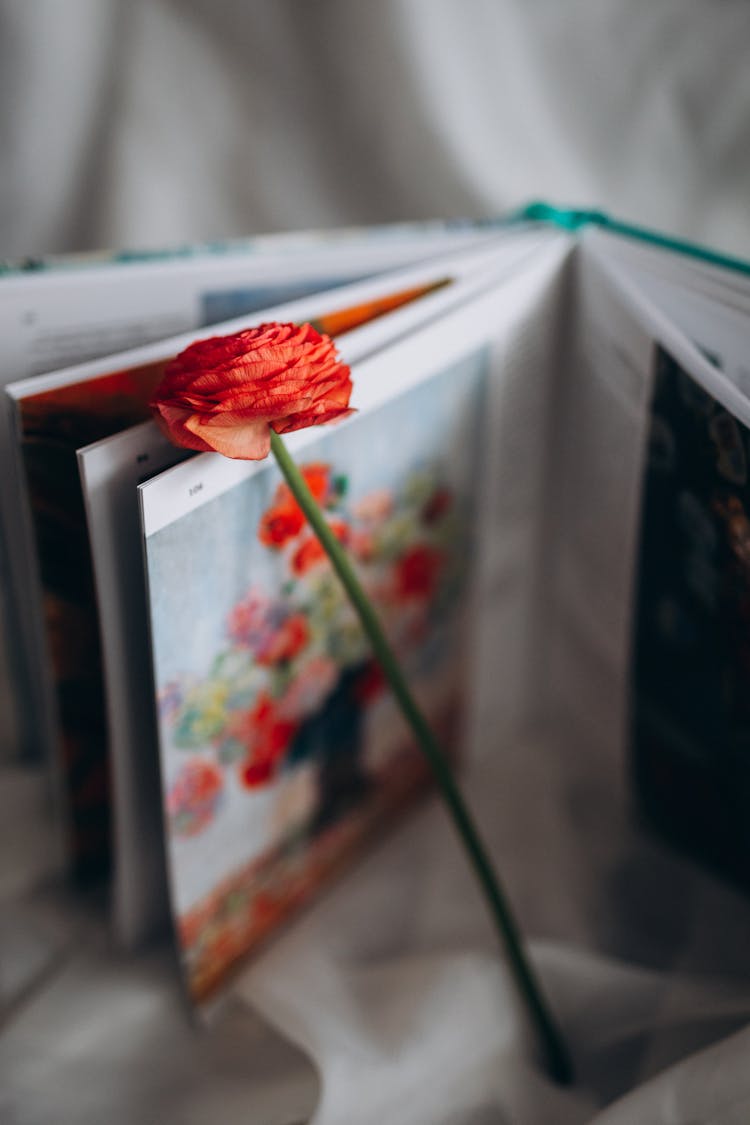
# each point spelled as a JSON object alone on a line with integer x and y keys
{"x": 549, "y": 455}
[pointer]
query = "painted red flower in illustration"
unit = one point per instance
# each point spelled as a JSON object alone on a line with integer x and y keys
{"x": 418, "y": 571}
{"x": 311, "y": 552}
{"x": 280, "y": 524}
{"x": 317, "y": 477}
{"x": 226, "y": 393}
{"x": 257, "y": 772}
{"x": 307, "y": 555}
{"x": 284, "y": 519}
{"x": 266, "y": 734}
{"x": 192, "y": 799}
{"x": 286, "y": 642}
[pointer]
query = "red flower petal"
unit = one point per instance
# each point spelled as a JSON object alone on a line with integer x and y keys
{"x": 226, "y": 392}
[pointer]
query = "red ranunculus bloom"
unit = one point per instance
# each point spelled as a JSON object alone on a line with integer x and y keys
{"x": 227, "y": 392}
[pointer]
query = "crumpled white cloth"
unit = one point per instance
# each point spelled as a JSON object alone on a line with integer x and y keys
{"x": 145, "y": 122}
{"x": 394, "y": 988}
{"x": 439, "y": 1040}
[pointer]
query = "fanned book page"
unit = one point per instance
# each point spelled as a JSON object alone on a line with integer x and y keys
{"x": 281, "y": 748}
{"x": 691, "y": 661}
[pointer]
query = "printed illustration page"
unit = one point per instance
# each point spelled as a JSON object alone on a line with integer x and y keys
{"x": 608, "y": 528}
{"x": 57, "y": 414}
{"x": 281, "y": 750}
{"x": 688, "y": 667}
{"x": 690, "y": 722}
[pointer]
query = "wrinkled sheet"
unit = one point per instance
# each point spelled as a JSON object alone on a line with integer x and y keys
{"x": 144, "y": 123}
{"x": 388, "y": 1001}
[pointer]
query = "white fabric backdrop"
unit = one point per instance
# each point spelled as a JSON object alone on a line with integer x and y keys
{"x": 142, "y": 122}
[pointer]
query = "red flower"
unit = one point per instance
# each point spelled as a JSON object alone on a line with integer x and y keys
{"x": 284, "y": 644}
{"x": 308, "y": 555}
{"x": 266, "y": 736}
{"x": 256, "y": 773}
{"x": 192, "y": 799}
{"x": 311, "y": 552}
{"x": 417, "y": 572}
{"x": 317, "y": 476}
{"x": 227, "y": 392}
{"x": 284, "y": 519}
{"x": 278, "y": 525}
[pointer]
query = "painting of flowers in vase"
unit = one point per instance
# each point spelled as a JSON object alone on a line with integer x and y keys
{"x": 282, "y": 748}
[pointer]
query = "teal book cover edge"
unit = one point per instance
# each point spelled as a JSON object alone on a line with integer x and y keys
{"x": 573, "y": 219}
{"x": 539, "y": 211}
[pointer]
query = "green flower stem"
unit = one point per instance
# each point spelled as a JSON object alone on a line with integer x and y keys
{"x": 555, "y": 1050}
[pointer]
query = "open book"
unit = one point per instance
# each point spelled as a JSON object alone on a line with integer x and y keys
{"x": 548, "y": 463}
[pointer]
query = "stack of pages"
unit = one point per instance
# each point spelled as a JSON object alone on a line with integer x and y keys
{"x": 549, "y": 460}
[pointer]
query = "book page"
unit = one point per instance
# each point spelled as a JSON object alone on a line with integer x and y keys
{"x": 690, "y": 722}
{"x": 687, "y": 668}
{"x": 710, "y": 306}
{"x": 281, "y": 751}
{"x": 111, "y": 471}
{"x": 602, "y": 427}
{"x": 592, "y": 503}
{"x": 611, "y": 439}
